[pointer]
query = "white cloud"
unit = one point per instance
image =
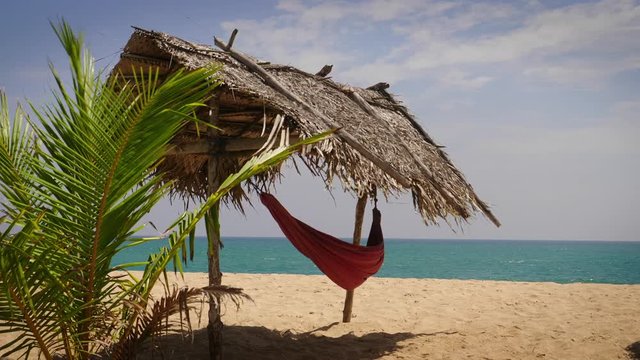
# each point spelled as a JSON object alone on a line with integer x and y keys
{"x": 453, "y": 104}
{"x": 584, "y": 74}
{"x": 609, "y": 26}
{"x": 546, "y": 159}
{"x": 627, "y": 110}
{"x": 615, "y": 134}
{"x": 463, "y": 80}
{"x": 385, "y": 10}
{"x": 578, "y": 44}
{"x": 294, "y": 6}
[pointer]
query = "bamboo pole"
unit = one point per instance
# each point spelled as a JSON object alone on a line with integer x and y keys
{"x": 357, "y": 235}
{"x": 214, "y": 328}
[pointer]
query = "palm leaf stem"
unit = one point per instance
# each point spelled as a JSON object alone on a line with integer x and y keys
{"x": 35, "y": 330}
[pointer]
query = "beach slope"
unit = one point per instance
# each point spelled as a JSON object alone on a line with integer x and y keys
{"x": 298, "y": 317}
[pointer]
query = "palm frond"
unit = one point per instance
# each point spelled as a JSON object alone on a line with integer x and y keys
{"x": 184, "y": 225}
{"x": 76, "y": 185}
{"x": 152, "y": 320}
{"x": 91, "y": 179}
{"x": 17, "y": 147}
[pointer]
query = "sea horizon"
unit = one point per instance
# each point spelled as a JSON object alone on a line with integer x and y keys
{"x": 348, "y": 238}
{"x": 560, "y": 261}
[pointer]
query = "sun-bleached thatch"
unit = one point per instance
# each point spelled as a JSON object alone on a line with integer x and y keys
{"x": 379, "y": 144}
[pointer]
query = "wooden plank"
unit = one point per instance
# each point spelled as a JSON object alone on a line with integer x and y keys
{"x": 230, "y": 130}
{"x": 233, "y": 145}
{"x": 204, "y": 146}
{"x": 201, "y": 146}
{"x": 244, "y": 116}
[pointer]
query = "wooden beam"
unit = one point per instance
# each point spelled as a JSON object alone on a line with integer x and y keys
{"x": 357, "y": 235}
{"x": 342, "y": 134}
{"x": 204, "y": 146}
{"x": 198, "y": 147}
{"x": 231, "y": 130}
{"x": 242, "y": 144}
{"x": 243, "y": 116}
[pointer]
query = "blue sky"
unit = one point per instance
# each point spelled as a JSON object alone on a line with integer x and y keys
{"x": 538, "y": 102}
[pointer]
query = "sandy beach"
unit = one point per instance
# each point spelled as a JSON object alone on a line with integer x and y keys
{"x": 298, "y": 317}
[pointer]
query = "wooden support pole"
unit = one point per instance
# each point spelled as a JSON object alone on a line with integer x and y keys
{"x": 357, "y": 235}
{"x": 214, "y": 328}
{"x": 344, "y": 135}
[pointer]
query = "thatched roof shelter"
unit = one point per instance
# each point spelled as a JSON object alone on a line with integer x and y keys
{"x": 379, "y": 144}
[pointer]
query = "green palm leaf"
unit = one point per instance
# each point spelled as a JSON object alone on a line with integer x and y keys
{"x": 89, "y": 179}
{"x": 75, "y": 186}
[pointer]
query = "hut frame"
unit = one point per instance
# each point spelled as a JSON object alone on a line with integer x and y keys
{"x": 378, "y": 144}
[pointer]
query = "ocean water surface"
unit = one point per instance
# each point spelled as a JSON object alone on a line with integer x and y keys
{"x": 512, "y": 260}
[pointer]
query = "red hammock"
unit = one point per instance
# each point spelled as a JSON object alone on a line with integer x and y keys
{"x": 345, "y": 264}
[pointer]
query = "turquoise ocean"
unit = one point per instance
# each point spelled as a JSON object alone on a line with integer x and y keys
{"x": 511, "y": 260}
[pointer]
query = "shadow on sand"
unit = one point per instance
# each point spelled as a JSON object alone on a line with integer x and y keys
{"x": 634, "y": 350}
{"x": 252, "y": 342}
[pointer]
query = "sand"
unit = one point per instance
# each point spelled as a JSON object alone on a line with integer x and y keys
{"x": 298, "y": 317}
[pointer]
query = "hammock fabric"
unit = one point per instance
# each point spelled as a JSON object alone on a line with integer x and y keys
{"x": 345, "y": 264}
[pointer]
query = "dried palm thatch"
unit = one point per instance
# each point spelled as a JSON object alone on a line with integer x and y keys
{"x": 379, "y": 144}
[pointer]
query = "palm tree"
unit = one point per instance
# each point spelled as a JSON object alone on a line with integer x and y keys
{"x": 75, "y": 188}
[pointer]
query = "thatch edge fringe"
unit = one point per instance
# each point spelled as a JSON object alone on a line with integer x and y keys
{"x": 331, "y": 157}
